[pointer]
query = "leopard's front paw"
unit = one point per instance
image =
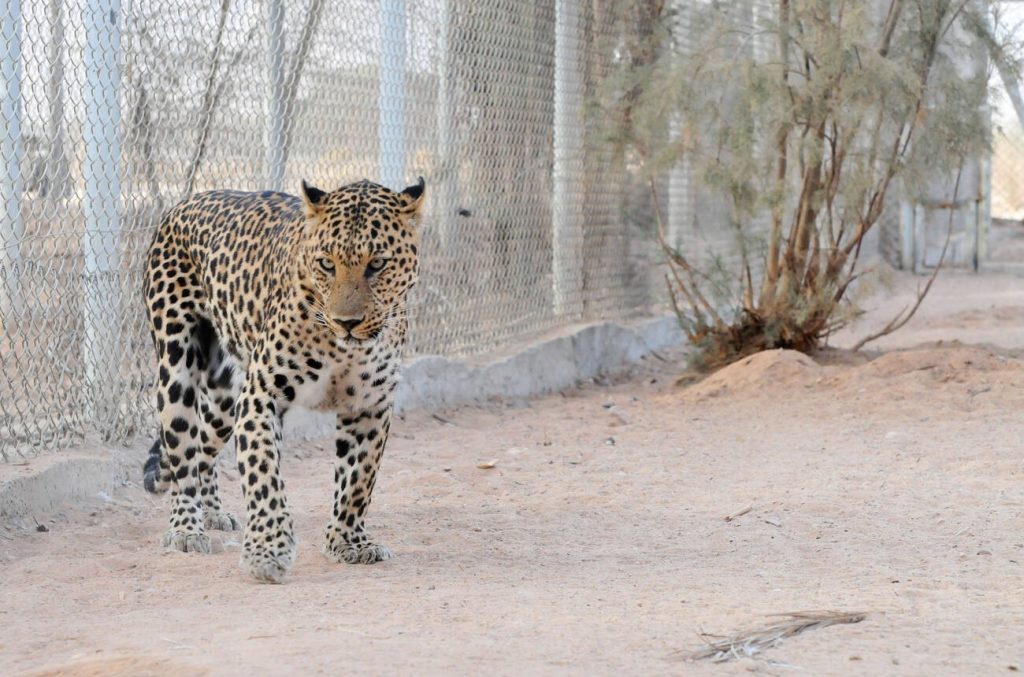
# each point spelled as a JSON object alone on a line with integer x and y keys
{"x": 353, "y": 549}
{"x": 221, "y": 521}
{"x": 268, "y": 552}
{"x": 187, "y": 541}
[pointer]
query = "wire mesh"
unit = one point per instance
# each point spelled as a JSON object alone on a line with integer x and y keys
{"x": 117, "y": 109}
{"x": 1007, "y": 166}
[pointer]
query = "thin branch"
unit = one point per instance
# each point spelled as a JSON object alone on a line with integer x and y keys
{"x": 897, "y": 322}
{"x": 681, "y": 261}
{"x": 892, "y": 17}
{"x": 901, "y": 147}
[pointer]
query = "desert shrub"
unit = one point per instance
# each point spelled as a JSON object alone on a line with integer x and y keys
{"x": 803, "y": 116}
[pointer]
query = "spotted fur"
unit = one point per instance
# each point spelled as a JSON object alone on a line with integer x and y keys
{"x": 258, "y": 302}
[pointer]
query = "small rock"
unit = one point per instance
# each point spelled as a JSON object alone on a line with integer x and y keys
{"x": 773, "y": 520}
{"x": 610, "y": 441}
{"x": 984, "y": 552}
{"x": 41, "y": 528}
{"x": 619, "y": 417}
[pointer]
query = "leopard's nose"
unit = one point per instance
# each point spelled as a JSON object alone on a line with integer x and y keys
{"x": 348, "y": 323}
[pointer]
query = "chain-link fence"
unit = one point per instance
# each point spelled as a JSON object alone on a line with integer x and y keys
{"x": 1008, "y": 133}
{"x": 1004, "y": 243}
{"x": 116, "y": 109}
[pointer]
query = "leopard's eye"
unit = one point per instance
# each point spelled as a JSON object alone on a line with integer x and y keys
{"x": 326, "y": 264}
{"x": 376, "y": 265}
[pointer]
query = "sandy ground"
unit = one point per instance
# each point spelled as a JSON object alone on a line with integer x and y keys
{"x": 889, "y": 483}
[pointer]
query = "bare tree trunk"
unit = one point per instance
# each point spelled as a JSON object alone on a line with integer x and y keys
{"x": 771, "y": 273}
{"x": 316, "y": 8}
{"x": 55, "y": 177}
{"x": 209, "y": 100}
{"x": 142, "y": 126}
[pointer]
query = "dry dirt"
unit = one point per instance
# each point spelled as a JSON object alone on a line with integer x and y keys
{"x": 890, "y": 484}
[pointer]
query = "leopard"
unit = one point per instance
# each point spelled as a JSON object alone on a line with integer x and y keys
{"x": 259, "y": 302}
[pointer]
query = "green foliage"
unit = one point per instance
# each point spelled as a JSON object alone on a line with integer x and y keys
{"x": 801, "y": 117}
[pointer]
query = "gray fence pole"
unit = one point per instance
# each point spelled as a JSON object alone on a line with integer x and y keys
{"x": 391, "y": 93}
{"x": 101, "y": 206}
{"x": 275, "y": 137}
{"x": 11, "y": 228}
{"x": 906, "y": 226}
{"x": 679, "y": 204}
{"x": 566, "y": 203}
{"x": 445, "y": 120}
{"x": 56, "y": 177}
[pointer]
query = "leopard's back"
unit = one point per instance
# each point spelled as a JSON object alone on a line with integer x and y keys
{"x": 229, "y": 250}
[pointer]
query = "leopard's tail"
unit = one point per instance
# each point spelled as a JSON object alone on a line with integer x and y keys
{"x": 156, "y": 477}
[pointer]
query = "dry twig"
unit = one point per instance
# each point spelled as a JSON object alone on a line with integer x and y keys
{"x": 738, "y": 513}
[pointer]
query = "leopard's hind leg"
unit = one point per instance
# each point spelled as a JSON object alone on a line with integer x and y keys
{"x": 173, "y": 302}
{"x": 220, "y": 381}
{"x": 218, "y": 377}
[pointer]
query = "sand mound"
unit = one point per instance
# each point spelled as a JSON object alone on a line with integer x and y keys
{"x": 978, "y": 317}
{"x": 955, "y": 363}
{"x": 768, "y": 369}
{"x": 903, "y": 372}
{"x": 945, "y": 359}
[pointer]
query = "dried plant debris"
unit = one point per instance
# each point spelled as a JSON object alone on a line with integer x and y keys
{"x": 750, "y": 643}
{"x": 739, "y": 513}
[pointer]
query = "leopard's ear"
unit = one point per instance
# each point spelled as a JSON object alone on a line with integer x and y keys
{"x": 312, "y": 199}
{"x": 412, "y": 198}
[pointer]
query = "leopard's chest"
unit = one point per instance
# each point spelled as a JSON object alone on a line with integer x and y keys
{"x": 348, "y": 381}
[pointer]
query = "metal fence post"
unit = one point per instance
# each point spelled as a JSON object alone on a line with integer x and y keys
{"x": 679, "y": 207}
{"x": 566, "y": 203}
{"x": 11, "y": 183}
{"x": 275, "y": 136}
{"x": 391, "y": 93}
{"x": 448, "y": 176}
{"x": 101, "y": 206}
{"x": 906, "y": 226}
{"x": 679, "y": 203}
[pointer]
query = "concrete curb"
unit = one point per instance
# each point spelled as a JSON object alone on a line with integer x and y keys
{"x": 578, "y": 354}
{"x": 562, "y": 361}
{"x": 47, "y": 483}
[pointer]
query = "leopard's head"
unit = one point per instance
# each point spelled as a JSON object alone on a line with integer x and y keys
{"x": 360, "y": 255}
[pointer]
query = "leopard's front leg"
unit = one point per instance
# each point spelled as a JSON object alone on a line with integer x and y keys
{"x": 268, "y": 548}
{"x": 358, "y": 449}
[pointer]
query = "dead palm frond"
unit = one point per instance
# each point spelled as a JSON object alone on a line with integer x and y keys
{"x": 752, "y": 642}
